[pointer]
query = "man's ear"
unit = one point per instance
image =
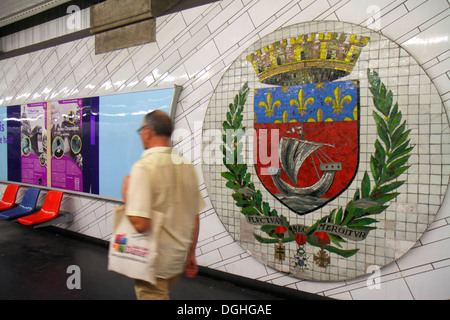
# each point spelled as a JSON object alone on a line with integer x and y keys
{"x": 149, "y": 133}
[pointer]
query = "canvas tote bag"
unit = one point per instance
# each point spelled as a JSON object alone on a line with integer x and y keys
{"x": 131, "y": 253}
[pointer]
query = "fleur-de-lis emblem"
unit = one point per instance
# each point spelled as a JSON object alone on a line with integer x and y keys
{"x": 270, "y": 105}
{"x": 320, "y": 86}
{"x": 355, "y": 115}
{"x": 337, "y": 102}
{"x": 301, "y": 103}
{"x": 286, "y": 118}
{"x": 319, "y": 117}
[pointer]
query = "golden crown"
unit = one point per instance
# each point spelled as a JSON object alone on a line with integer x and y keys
{"x": 311, "y": 58}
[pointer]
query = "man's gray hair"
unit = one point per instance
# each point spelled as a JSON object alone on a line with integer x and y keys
{"x": 159, "y": 122}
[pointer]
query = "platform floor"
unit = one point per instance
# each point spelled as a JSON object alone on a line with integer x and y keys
{"x": 34, "y": 266}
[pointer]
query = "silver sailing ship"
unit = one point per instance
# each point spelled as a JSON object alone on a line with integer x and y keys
{"x": 293, "y": 152}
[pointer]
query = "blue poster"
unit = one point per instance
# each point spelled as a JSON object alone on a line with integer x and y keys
{"x": 119, "y": 144}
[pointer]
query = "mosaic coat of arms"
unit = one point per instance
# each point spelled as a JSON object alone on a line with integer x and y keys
{"x": 306, "y": 150}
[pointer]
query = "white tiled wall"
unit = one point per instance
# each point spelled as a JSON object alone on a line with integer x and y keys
{"x": 194, "y": 49}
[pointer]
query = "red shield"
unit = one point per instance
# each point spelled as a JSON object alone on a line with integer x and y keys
{"x": 307, "y": 142}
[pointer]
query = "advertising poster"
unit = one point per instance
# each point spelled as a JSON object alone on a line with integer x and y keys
{"x": 66, "y": 145}
{"x": 33, "y": 143}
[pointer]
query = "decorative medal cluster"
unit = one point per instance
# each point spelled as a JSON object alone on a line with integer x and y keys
{"x": 321, "y": 259}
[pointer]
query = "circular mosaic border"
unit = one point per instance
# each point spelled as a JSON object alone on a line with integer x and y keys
{"x": 407, "y": 217}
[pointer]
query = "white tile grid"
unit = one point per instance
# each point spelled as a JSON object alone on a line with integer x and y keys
{"x": 190, "y": 97}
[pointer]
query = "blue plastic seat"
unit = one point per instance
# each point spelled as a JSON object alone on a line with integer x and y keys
{"x": 26, "y": 207}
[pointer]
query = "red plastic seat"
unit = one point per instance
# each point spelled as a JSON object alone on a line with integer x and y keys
{"x": 9, "y": 197}
{"x": 49, "y": 211}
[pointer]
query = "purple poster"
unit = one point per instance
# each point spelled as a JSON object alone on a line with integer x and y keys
{"x": 34, "y": 143}
{"x": 66, "y": 145}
